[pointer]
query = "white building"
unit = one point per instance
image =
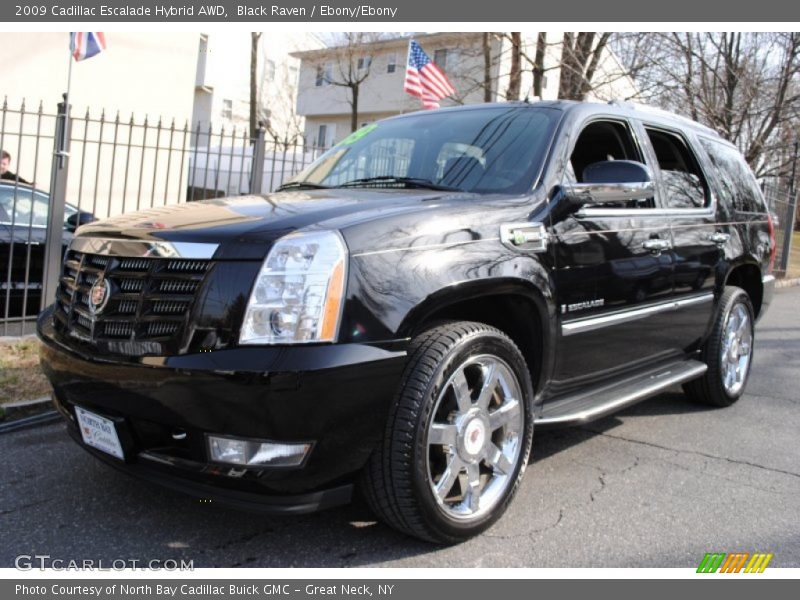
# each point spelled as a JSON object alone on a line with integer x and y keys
{"x": 158, "y": 78}
{"x": 222, "y": 80}
{"x": 326, "y": 107}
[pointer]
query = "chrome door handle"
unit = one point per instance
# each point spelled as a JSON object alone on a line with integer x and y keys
{"x": 719, "y": 237}
{"x": 656, "y": 245}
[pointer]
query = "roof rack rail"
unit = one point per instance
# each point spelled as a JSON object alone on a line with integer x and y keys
{"x": 649, "y": 108}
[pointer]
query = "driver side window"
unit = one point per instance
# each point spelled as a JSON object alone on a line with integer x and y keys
{"x": 601, "y": 141}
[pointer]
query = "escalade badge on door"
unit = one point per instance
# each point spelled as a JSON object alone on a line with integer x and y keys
{"x": 98, "y": 295}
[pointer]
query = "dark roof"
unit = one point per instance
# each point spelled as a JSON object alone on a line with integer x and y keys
{"x": 625, "y": 109}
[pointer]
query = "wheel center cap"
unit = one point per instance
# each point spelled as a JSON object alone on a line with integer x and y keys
{"x": 474, "y": 436}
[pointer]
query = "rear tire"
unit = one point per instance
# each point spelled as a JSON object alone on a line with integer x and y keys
{"x": 728, "y": 352}
{"x": 458, "y": 435}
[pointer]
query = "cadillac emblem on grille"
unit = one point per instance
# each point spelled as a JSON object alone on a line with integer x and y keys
{"x": 98, "y": 295}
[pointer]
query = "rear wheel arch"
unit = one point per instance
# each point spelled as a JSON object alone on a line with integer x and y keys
{"x": 747, "y": 276}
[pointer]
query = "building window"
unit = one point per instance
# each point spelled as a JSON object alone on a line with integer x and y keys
{"x": 324, "y": 74}
{"x": 270, "y": 70}
{"x": 364, "y": 63}
{"x": 453, "y": 60}
{"x": 322, "y": 135}
{"x": 227, "y": 109}
{"x": 440, "y": 58}
{"x": 293, "y": 76}
{"x": 392, "y": 66}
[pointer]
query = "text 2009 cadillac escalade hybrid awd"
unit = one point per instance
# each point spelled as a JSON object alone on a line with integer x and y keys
{"x": 402, "y": 314}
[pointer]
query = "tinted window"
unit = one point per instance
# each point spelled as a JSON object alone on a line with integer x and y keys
{"x": 483, "y": 150}
{"x": 24, "y": 206}
{"x": 737, "y": 184}
{"x": 29, "y": 208}
{"x": 682, "y": 180}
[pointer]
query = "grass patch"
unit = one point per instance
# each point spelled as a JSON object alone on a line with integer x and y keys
{"x": 20, "y": 375}
{"x": 793, "y": 269}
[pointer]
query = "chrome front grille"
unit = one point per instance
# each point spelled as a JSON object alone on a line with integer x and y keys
{"x": 149, "y": 299}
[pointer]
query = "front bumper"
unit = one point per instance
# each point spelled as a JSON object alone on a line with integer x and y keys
{"x": 337, "y": 396}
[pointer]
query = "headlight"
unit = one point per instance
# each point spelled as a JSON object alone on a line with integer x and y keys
{"x": 298, "y": 294}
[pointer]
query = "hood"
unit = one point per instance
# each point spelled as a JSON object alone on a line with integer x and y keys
{"x": 246, "y": 226}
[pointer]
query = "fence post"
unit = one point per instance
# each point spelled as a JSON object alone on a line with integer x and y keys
{"x": 257, "y": 168}
{"x": 791, "y": 215}
{"x": 55, "y": 216}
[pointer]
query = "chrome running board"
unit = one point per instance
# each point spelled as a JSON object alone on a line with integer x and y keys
{"x": 597, "y": 402}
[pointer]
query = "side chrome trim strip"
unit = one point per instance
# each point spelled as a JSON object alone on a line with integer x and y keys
{"x": 143, "y": 248}
{"x": 592, "y": 323}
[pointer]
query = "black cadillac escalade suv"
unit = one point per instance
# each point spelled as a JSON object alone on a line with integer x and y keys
{"x": 402, "y": 314}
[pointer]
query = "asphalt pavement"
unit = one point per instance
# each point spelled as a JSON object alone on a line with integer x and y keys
{"x": 657, "y": 485}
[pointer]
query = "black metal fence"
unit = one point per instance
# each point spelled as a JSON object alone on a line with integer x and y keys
{"x": 72, "y": 169}
{"x": 782, "y": 202}
{"x": 98, "y": 166}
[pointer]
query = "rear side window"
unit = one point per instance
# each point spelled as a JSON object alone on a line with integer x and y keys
{"x": 738, "y": 186}
{"x": 681, "y": 178}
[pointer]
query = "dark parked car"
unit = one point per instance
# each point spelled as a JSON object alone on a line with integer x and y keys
{"x": 405, "y": 312}
{"x": 23, "y": 228}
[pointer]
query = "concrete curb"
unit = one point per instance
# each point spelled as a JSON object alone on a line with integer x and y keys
{"x": 782, "y": 283}
{"x": 26, "y": 403}
{"x": 44, "y": 418}
{"x": 26, "y": 413}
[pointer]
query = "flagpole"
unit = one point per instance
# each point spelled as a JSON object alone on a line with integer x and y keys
{"x": 66, "y": 110}
{"x": 405, "y": 69}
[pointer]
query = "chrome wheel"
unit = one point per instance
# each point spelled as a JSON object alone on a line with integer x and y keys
{"x": 736, "y": 349}
{"x": 474, "y": 439}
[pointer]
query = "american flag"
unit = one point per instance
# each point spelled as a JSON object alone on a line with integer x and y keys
{"x": 424, "y": 79}
{"x": 86, "y": 44}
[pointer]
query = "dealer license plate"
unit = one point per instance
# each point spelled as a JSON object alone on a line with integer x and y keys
{"x": 99, "y": 432}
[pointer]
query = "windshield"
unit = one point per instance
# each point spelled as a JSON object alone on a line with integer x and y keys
{"x": 491, "y": 150}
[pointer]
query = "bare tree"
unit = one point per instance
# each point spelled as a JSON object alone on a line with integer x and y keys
{"x": 584, "y": 62}
{"x": 254, "y": 38}
{"x": 486, "y": 46}
{"x": 352, "y": 63}
{"x": 538, "y": 64}
{"x": 743, "y": 85}
{"x": 276, "y": 108}
{"x": 580, "y": 55}
{"x": 515, "y": 74}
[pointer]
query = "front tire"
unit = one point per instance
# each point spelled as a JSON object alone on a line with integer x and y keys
{"x": 728, "y": 352}
{"x": 458, "y": 435}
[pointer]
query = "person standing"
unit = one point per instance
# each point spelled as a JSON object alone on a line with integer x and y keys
{"x": 5, "y": 173}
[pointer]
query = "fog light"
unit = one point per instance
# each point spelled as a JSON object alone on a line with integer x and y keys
{"x": 256, "y": 453}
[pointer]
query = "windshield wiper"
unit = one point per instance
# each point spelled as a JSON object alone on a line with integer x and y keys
{"x": 408, "y": 181}
{"x": 302, "y": 185}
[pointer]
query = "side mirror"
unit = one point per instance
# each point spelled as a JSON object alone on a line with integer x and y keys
{"x": 611, "y": 181}
{"x": 77, "y": 219}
